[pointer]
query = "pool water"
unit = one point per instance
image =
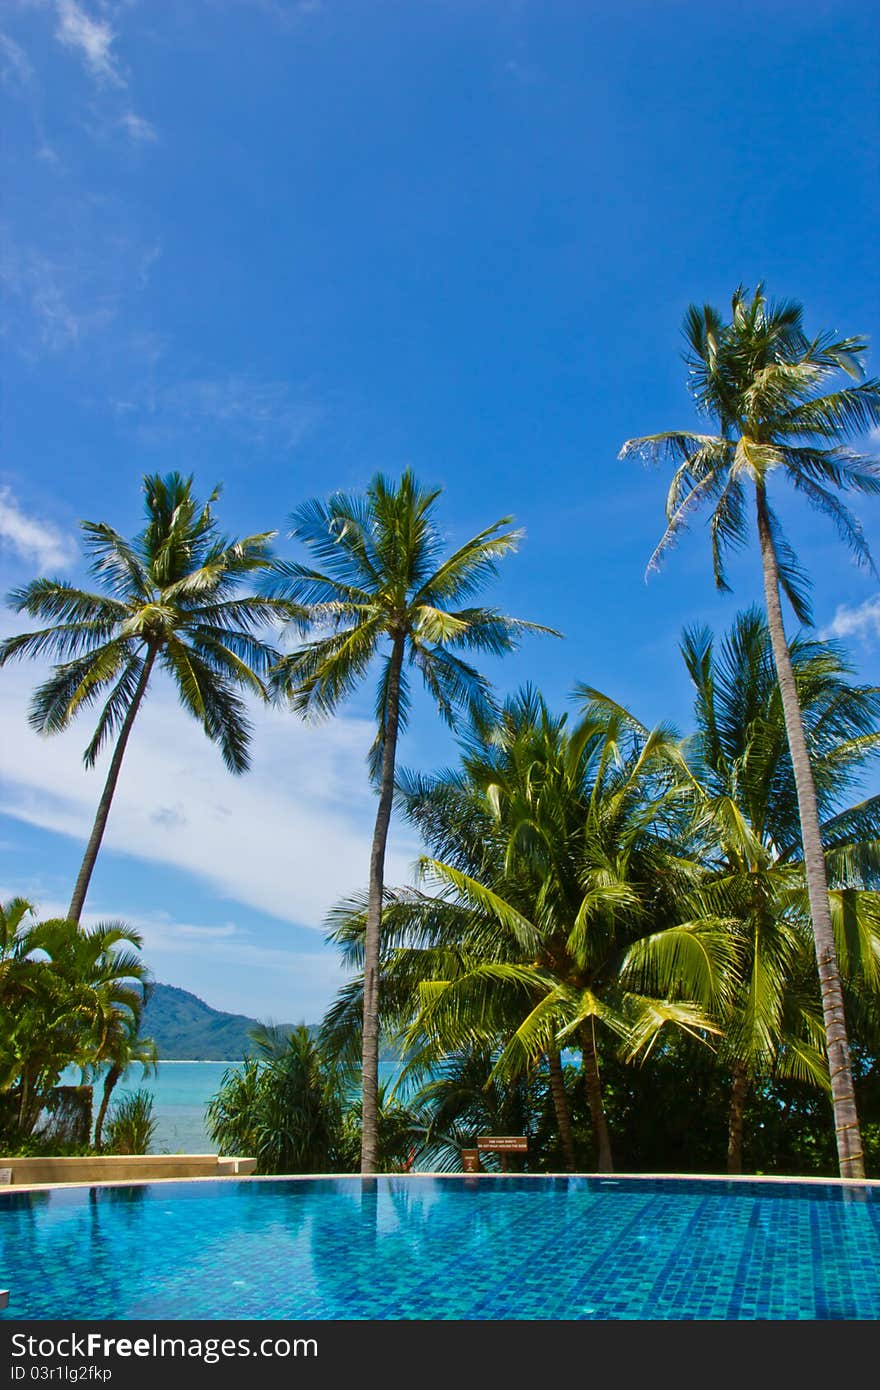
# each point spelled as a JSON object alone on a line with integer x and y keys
{"x": 430, "y": 1248}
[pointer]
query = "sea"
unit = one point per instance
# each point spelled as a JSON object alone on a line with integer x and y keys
{"x": 180, "y": 1091}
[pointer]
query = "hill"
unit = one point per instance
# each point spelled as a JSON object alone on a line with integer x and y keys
{"x": 186, "y": 1028}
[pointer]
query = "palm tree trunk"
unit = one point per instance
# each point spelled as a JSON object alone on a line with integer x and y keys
{"x": 604, "y": 1161}
{"x": 846, "y": 1120}
{"x": 370, "y": 1045}
{"x": 31, "y": 1102}
{"x": 110, "y": 1081}
{"x": 560, "y": 1105}
{"x": 82, "y": 883}
{"x": 738, "y": 1092}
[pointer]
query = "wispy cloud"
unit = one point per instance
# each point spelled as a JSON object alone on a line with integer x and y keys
{"x": 862, "y": 622}
{"x": 39, "y": 291}
{"x": 14, "y": 63}
{"x": 256, "y": 410}
{"x": 139, "y": 129}
{"x": 91, "y": 38}
{"x": 68, "y": 293}
{"x": 33, "y": 539}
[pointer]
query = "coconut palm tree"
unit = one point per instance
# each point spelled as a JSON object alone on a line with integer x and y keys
{"x": 462, "y": 1100}
{"x": 388, "y": 593}
{"x": 561, "y": 905}
{"x": 763, "y": 382}
{"x": 752, "y": 849}
{"x": 174, "y": 597}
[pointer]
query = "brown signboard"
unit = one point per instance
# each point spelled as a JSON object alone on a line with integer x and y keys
{"x": 504, "y": 1143}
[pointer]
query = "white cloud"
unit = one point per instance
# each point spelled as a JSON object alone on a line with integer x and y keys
{"x": 91, "y": 38}
{"x": 289, "y": 838}
{"x": 14, "y": 63}
{"x": 862, "y": 622}
{"x": 33, "y": 539}
{"x": 46, "y": 307}
{"x": 139, "y": 129}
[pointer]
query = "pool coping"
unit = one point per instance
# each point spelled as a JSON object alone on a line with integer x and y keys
{"x": 609, "y": 1178}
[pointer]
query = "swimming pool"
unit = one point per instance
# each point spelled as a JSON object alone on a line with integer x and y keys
{"x": 429, "y": 1247}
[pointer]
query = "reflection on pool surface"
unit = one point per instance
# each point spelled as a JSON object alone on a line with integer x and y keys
{"x": 422, "y": 1247}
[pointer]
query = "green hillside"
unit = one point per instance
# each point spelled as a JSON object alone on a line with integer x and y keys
{"x": 184, "y": 1027}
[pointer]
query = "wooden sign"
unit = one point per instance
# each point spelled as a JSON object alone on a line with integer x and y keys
{"x": 503, "y": 1143}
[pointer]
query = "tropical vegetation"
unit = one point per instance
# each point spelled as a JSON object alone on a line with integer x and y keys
{"x": 69, "y": 997}
{"x": 287, "y": 1108}
{"x": 637, "y": 947}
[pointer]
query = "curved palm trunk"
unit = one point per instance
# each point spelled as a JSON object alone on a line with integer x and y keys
{"x": 91, "y": 854}
{"x": 560, "y": 1106}
{"x": 110, "y": 1081}
{"x": 846, "y": 1121}
{"x": 738, "y": 1093}
{"x": 604, "y": 1161}
{"x": 30, "y": 1102}
{"x": 370, "y": 1045}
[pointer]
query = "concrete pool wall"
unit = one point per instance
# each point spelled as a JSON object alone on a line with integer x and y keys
{"x": 30, "y": 1172}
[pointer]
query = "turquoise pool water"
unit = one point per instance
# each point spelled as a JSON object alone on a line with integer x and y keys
{"x": 432, "y": 1248}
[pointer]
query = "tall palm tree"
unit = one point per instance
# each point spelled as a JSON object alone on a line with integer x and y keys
{"x": 750, "y": 830}
{"x": 173, "y": 597}
{"x": 763, "y": 381}
{"x": 386, "y": 591}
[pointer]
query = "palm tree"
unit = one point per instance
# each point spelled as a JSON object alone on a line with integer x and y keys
{"x": 459, "y": 1104}
{"x": 561, "y": 905}
{"x": 172, "y": 597}
{"x": 122, "y": 1048}
{"x": 752, "y": 848}
{"x": 387, "y": 591}
{"x": 66, "y": 993}
{"x": 30, "y": 995}
{"x": 761, "y": 379}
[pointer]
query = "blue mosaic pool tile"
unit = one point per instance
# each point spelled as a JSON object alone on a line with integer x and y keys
{"x": 426, "y": 1248}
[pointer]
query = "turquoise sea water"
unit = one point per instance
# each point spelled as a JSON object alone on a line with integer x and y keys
{"x": 429, "y": 1248}
{"x": 180, "y": 1092}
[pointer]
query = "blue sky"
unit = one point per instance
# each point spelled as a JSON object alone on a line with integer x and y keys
{"x": 285, "y": 245}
